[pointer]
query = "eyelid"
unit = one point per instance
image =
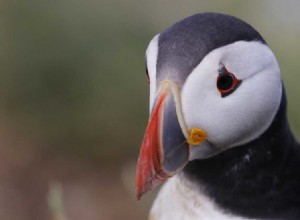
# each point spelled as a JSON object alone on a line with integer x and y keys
{"x": 222, "y": 69}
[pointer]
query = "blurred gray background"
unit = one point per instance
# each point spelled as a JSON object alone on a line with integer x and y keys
{"x": 74, "y": 99}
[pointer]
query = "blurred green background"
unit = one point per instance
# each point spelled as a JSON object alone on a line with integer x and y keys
{"x": 74, "y": 100}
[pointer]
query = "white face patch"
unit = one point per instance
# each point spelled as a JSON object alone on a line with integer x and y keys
{"x": 241, "y": 116}
{"x": 151, "y": 57}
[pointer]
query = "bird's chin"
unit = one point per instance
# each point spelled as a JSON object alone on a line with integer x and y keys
{"x": 204, "y": 151}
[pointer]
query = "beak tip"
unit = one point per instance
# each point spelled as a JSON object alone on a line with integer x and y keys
{"x": 138, "y": 196}
{"x": 140, "y": 193}
{"x": 145, "y": 185}
{"x": 141, "y": 184}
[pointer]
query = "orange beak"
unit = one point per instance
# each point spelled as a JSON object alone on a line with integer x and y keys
{"x": 164, "y": 151}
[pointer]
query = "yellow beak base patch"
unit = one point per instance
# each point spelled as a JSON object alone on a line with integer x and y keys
{"x": 196, "y": 136}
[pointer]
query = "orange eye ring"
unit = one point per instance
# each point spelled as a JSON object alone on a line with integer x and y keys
{"x": 227, "y": 82}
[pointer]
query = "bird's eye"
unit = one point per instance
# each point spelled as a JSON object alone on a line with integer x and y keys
{"x": 147, "y": 75}
{"x": 226, "y": 82}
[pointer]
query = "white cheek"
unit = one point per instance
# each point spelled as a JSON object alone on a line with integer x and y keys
{"x": 151, "y": 55}
{"x": 243, "y": 115}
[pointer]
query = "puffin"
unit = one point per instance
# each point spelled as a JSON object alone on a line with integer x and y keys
{"x": 218, "y": 136}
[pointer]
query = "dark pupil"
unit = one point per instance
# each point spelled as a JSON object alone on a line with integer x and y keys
{"x": 225, "y": 82}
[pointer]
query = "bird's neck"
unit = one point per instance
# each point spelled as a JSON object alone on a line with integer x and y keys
{"x": 255, "y": 179}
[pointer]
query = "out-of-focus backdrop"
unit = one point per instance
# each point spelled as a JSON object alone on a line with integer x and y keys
{"x": 74, "y": 99}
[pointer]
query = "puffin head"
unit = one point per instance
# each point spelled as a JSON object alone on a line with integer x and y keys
{"x": 214, "y": 85}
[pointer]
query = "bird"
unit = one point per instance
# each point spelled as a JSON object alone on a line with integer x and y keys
{"x": 218, "y": 135}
